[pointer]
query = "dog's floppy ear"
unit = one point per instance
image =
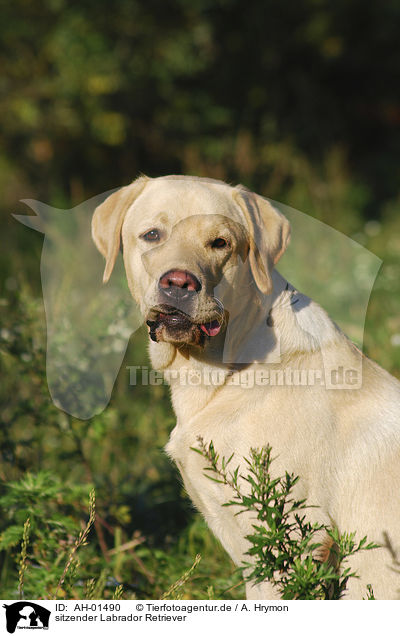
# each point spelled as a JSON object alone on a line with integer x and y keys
{"x": 108, "y": 219}
{"x": 269, "y": 235}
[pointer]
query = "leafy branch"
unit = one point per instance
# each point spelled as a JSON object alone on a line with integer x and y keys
{"x": 285, "y": 548}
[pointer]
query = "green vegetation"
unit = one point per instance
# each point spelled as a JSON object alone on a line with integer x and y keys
{"x": 284, "y": 546}
{"x": 145, "y": 536}
{"x": 296, "y": 100}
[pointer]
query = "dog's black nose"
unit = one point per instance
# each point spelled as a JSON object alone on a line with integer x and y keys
{"x": 178, "y": 285}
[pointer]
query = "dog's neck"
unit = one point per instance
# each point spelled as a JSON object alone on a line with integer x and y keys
{"x": 278, "y": 329}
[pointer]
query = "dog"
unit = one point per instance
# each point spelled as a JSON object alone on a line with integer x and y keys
{"x": 200, "y": 259}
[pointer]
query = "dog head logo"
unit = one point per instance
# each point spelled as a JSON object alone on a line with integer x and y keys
{"x": 89, "y": 323}
{"x": 26, "y": 615}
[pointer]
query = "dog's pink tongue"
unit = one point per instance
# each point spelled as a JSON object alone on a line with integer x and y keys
{"x": 211, "y": 328}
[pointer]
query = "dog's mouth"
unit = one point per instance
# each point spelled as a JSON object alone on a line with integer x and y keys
{"x": 172, "y": 325}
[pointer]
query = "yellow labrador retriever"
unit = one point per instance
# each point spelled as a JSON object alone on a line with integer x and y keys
{"x": 199, "y": 258}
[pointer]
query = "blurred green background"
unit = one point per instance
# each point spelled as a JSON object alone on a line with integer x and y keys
{"x": 298, "y": 101}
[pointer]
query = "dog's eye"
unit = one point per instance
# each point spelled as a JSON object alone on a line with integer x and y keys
{"x": 219, "y": 243}
{"x": 151, "y": 235}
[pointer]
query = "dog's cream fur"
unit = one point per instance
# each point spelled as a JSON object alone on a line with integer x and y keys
{"x": 343, "y": 443}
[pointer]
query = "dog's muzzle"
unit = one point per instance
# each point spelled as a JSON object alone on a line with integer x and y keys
{"x": 171, "y": 320}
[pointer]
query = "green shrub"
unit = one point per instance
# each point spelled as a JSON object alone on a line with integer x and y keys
{"x": 284, "y": 545}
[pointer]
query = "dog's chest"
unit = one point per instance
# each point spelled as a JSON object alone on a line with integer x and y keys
{"x": 207, "y": 495}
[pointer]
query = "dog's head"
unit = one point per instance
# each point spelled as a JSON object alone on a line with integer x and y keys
{"x": 184, "y": 237}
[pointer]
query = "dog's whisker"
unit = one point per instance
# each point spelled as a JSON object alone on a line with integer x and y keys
{"x": 220, "y": 304}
